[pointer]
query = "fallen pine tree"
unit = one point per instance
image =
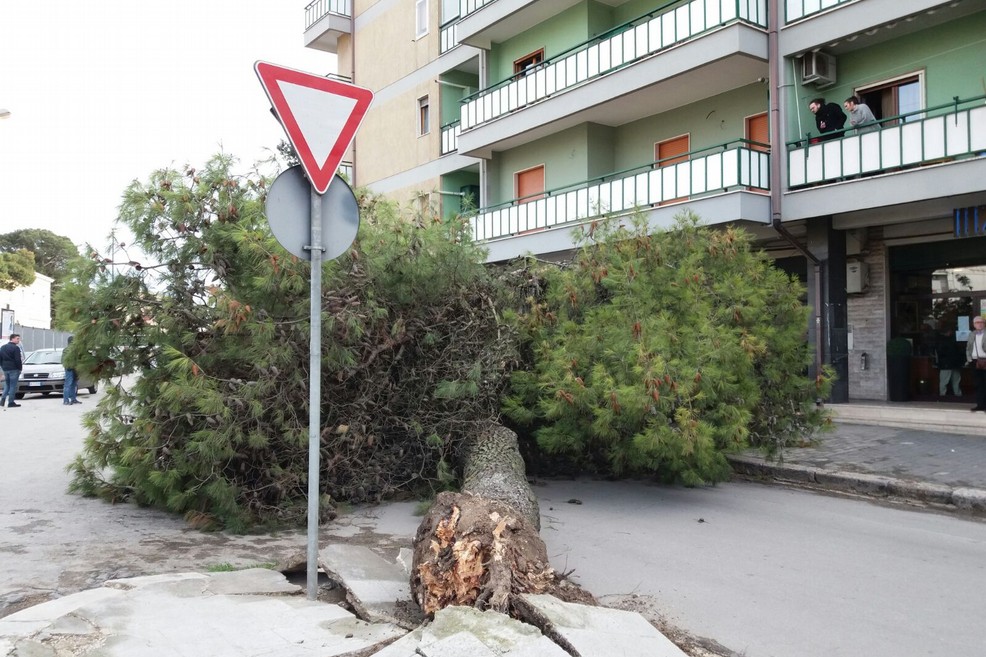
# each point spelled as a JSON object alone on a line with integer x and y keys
{"x": 481, "y": 547}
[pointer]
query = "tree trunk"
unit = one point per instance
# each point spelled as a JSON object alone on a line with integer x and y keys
{"x": 481, "y": 547}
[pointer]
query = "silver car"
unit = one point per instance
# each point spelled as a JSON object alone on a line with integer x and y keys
{"x": 43, "y": 373}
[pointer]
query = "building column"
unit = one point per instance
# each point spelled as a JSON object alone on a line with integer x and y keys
{"x": 829, "y": 246}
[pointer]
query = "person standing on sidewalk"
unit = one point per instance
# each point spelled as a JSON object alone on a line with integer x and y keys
{"x": 11, "y": 364}
{"x": 975, "y": 353}
{"x": 71, "y": 389}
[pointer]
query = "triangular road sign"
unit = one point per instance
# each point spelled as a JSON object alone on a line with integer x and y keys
{"x": 320, "y": 116}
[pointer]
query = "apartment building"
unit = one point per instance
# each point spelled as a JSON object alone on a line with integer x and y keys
{"x": 535, "y": 116}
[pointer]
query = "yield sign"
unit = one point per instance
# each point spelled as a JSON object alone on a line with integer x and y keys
{"x": 319, "y": 114}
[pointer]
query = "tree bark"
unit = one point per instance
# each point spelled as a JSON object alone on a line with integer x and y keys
{"x": 481, "y": 547}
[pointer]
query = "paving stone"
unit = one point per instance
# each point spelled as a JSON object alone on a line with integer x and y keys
{"x": 921, "y": 491}
{"x": 969, "y": 499}
{"x": 855, "y": 482}
{"x": 48, "y": 612}
{"x": 480, "y": 633}
{"x": 378, "y": 589}
{"x": 596, "y": 631}
{"x": 260, "y": 581}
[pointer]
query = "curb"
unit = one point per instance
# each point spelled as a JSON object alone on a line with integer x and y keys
{"x": 942, "y": 496}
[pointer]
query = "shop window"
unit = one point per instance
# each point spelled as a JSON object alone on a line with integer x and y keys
{"x": 424, "y": 116}
{"x": 895, "y": 97}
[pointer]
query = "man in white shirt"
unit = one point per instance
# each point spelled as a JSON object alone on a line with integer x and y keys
{"x": 975, "y": 353}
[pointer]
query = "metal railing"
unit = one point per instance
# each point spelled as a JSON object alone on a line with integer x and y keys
{"x": 318, "y": 9}
{"x": 449, "y": 35}
{"x": 450, "y": 138}
{"x": 797, "y": 9}
{"x": 918, "y": 138}
{"x": 658, "y": 30}
{"x": 733, "y": 165}
{"x": 467, "y": 7}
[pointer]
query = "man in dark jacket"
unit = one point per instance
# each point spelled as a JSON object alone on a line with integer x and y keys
{"x": 10, "y": 363}
{"x": 829, "y": 118}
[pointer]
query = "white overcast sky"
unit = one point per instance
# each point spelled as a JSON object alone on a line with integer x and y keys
{"x": 102, "y": 92}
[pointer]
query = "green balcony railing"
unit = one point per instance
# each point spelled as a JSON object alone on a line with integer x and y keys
{"x": 658, "y": 30}
{"x": 929, "y": 136}
{"x": 797, "y": 9}
{"x": 318, "y": 9}
{"x": 718, "y": 169}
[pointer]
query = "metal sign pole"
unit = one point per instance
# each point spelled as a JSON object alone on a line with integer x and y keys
{"x": 314, "y": 393}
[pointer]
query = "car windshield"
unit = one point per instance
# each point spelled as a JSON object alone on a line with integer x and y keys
{"x": 44, "y": 357}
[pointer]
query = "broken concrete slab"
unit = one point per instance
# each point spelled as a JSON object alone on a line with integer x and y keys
{"x": 457, "y": 631}
{"x": 156, "y": 617}
{"x": 586, "y": 631}
{"x": 377, "y": 589}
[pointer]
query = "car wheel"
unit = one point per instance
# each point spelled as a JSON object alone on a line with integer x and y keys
{"x": 45, "y": 394}
{"x": 92, "y": 390}
{"x": 20, "y": 395}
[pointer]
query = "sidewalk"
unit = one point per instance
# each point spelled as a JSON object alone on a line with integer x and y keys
{"x": 935, "y": 469}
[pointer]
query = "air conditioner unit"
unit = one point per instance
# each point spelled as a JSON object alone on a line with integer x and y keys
{"x": 818, "y": 68}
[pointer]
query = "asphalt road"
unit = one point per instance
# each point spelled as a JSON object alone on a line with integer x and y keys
{"x": 766, "y": 572}
{"x": 773, "y": 572}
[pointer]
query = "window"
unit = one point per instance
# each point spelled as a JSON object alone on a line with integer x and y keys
{"x": 420, "y": 18}
{"x": 424, "y": 116}
{"x": 894, "y": 97}
{"x": 527, "y": 63}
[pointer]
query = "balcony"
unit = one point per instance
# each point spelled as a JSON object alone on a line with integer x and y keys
{"x": 842, "y": 26}
{"x": 450, "y": 138}
{"x": 503, "y": 19}
{"x": 635, "y": 70}
{"x": 797, "y": 9}
{"x": 325, "y": 22}
{"x": 710, "y": 174}
{"x": 951, "y": 131}
{"x": 927, "y": 156}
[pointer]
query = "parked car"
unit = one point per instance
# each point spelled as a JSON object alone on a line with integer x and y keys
{"x": 43, "y": 373}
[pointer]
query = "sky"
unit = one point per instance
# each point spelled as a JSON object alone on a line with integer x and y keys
{"x": 102, "y": 92}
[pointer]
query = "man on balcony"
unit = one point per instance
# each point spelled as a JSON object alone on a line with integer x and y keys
{"x": 829, "y": 118}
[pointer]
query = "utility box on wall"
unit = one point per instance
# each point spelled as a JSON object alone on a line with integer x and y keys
{"x": 857, "y": 277}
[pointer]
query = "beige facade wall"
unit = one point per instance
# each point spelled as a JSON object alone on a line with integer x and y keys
{"x": 388, "y": 141}
{"x": 389, "y": 35}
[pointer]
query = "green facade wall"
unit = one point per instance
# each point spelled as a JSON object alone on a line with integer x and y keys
{"x": 952, "y": 58}
{"x": 592, "y": 150}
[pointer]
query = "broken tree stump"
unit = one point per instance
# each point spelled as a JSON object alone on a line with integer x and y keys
{"x": 481, "y": 547}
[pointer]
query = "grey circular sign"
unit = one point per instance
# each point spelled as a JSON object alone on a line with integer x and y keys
{"x": 289, "y": 211}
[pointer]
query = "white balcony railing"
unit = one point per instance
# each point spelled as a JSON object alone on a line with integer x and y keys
{"x": 450, "y": 138}
{"x": 632, "y": 41}
{"x": 798, "y": 9}
{"x": 449, "y": 35}
{"x": 466, "y": 7}
{"x": 706, "y": 172}
{"x": 927, "y": 137}
{"x": 318, "y": 9}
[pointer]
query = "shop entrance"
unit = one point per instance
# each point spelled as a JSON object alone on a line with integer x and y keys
{"x": 935, "y": 291}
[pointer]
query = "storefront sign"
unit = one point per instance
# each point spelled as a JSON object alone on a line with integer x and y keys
{"x": 970, "y": 222}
